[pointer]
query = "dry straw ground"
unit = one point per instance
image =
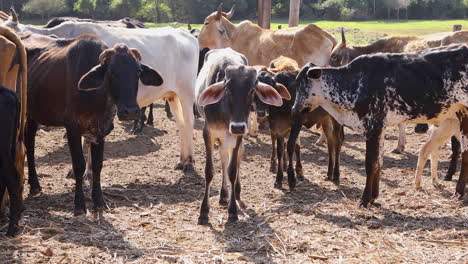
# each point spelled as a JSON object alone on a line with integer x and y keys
{"x": 154, "y": 209}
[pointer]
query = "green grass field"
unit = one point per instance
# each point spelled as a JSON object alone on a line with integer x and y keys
{"x": 364, "y": 32}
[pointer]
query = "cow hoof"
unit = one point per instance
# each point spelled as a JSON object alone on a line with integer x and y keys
{"x": 150, "y": 123}
{"x": 292, "y": 185}
{"x": 137, "y": 131}
{"x": 35, "y": 191}
{"x": 79, "y": 211}
{"x": 448, "y": 178}
{"x": 273, "y": 169}
{"x": 179, "y": 166}
{"x": 364, "y": 203}
{"x": 300, "y": 177}
{"x": 397, "y": 151}
{"x": 101, "y": 207}
{"x": 278, "y": 185}
{"x": 233, "y": 218}
{"x": 188, "y": 169}
{"x": 336, "y": 181}
{"x": 71, "y": 175}
{"x": 203, "y": 220}
{"x": 12, "y": 229}
{"x": 374, "y": 204}
{"x": 223, "y": 202}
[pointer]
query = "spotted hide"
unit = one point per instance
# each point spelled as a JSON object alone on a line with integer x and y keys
{"x": 376, "y": 91}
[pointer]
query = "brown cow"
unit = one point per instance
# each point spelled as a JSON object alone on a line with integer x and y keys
{"x": 13, "y": 65}
{"x": 80, "y": 84}
{"x": 261, "y": 46}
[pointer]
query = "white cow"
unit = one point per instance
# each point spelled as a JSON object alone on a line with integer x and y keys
{"x": 172, "y": 52}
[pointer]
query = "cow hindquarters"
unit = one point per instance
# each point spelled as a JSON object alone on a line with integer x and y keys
{"x": 182, "y": 108}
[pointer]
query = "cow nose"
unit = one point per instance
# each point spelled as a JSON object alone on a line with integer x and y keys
{"x": 237, "y": 128}
{"x": 128, "y": 113}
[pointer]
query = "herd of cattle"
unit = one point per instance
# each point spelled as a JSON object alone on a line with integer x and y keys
{"x": 78, "y": 74}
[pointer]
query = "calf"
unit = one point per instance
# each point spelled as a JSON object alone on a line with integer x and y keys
{"x": 375, "y": 91}
{"x": 226, "y": 88}
{"x": 9, "y": 175}
{"x": 80, "y": 84}
{"x": 281, "y": 121}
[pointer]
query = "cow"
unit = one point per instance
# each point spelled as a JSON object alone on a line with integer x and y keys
{"x": 96, "y": 84}
{"x": 172, "y": 51}
{"x": 13, "y": 72}
{"x": 343, "y": 54}
{"x": 226, "y": 88}
{"x": 10, "y": 178}
{"x": 281, "y": 121}
{"x": 375, "y": 91}
{"x": 261, "y": 46}
{"x": 122, "y": 23}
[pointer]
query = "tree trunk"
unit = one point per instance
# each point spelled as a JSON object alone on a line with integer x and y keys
{"x": 260, "y": 13}
{"x": 266, "y": 14}
{"x": 294, "y": 10}
{"x": 158, "y": 12}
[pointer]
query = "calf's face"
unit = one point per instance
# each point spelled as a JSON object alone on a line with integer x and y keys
{"x": 262, "y": 109}
{"x": 240, "y": 86}
{"x": 309, "y": 86}
{"x": 120, "y": 70}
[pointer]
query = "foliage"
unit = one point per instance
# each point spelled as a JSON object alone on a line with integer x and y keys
{"x": 195, "y": 11}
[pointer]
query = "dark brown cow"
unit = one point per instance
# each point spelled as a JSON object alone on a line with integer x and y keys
{"x": 80, "y": 84}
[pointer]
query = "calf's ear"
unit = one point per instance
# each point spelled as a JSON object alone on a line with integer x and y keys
{"x": 283, "y": 91}
{"x": 93, "y": 79}
{"x": 150, "y": 76}
{"x": 212, "y": 94}
{"x": 268, "y": 94}
{"x": 314, "y": 73}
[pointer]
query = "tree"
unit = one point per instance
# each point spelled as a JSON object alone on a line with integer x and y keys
{"x": 46, "y": 7}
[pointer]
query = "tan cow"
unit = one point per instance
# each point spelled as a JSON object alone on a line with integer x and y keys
{"x": 261, "y": 46}
{"x": 12, "y": 62}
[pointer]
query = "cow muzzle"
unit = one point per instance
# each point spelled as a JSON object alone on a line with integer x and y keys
{"x": 128, "y": 113}
{"x": 238, "y": 128}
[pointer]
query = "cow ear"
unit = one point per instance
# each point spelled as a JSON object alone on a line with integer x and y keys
{"x": 212, "y": 94}
{"x": 93, "y": 79}
{"x": 268, "y": 94}
{"x": 314, "y": 73}
{"x": 283, "y": 91}
{"x": 149, "y": 76}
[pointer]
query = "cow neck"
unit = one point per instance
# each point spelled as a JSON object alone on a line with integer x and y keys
{"x": 230, "y": 29}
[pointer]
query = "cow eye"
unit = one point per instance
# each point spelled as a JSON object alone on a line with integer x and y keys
{"x": 206, "y": 23}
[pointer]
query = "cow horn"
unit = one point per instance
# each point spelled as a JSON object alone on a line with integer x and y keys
{"x": 343, "y": 39}
{"x": 230, "y": 14}
{"x": 219, "y": 12}
{"x": 13, "y": 14}
{"x": 105, "y": 55}
{"x": 189, "y": 26}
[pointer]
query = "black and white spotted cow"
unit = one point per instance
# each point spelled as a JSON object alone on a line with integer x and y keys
{"x": 376, "y": 91}
{"x": 226, "y": 88}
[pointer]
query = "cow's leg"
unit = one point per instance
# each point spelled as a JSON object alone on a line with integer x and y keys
{"x": 74, "y": 143}
{"x": 97, "y": 158}
{"x": 300, "y": 174}
{"x": 253, "y": 128}
{"x": 140, "y": 122}
{"x": 150, "y": 121}
{"x": 196, "y": 114}
{"x": 453, "y": 159}
{"x": 224, "y": 152}
{"x": 11, "y": 179}
{"x": 30, "y": 140}
{"x": 233, "y": 170}
{"x": 4, "y": 202}
{"x": 401, "y": 139}
{"x": 292, "y": 141}
{"x": 279, "y": 153}
{"x": 168, "y": 110}
{"x": 203, "y": 219}
{"x": 238, "y": 182}
{"x": 373, "y": 166}
{"x": 182, "y": 108}
{"x": 334, "y": 133}
{"x": 321, "y": 140}
{"x": 273, "y": 153}
{"x": 461, "y": 184}
{"x": 285, "y": 159}
{"x": 438, "y": 136}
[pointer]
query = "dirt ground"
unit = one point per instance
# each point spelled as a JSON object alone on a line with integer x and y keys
{"x": 154, "y": 209}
